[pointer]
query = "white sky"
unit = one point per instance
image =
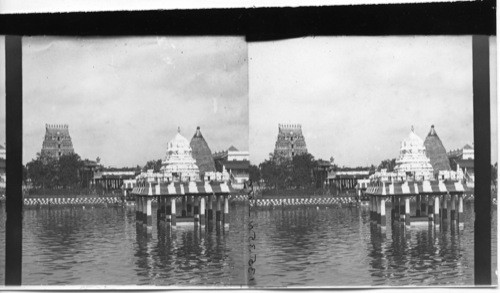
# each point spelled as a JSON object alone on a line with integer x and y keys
{"x": 124, "y": 98}
{"x": 382, "y": 77}
{"x": 357, "y": 97}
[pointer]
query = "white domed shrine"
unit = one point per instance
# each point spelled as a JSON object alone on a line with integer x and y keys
{"x": 413, "y": 160}
{"x": 179, "y": 164}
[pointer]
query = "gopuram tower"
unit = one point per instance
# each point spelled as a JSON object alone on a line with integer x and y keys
{"x": 57, "y": 141}
{"x": 290, "y": 141}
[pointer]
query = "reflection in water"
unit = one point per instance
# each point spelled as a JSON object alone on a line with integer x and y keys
{"x": 301, "y": 246}
{"x": 341, "y": 247}
{"x": 72, "y": 245}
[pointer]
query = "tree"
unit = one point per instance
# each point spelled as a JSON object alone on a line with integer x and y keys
{"x": 254, "y": 173}
{"x": 152, "y": 164}
{"x": 387, "y": 164}
{"x": 302, "y": 170}
{"x": 69, "y": 170}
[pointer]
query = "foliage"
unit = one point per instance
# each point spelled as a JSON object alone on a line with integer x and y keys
{"x": 282, "y": 173}
{"x": 47, "y": 172}
{"x": 254, "y": 173}
{"x": 387, "y": 164}
{"x": 69, "y": 170}
{"x": 152, "y": 164}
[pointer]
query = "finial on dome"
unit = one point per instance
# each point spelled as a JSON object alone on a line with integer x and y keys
{"x": 412, "y": 129}
{"x": 197, "y": 128}
{"x": 178, "y": 129}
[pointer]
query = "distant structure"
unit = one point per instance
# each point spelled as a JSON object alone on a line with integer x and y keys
{"x": 201, "y": 153}
{"x": 57, "y": 141}
{"x": 436, "y": 152}
{"x": 413, "y": 161}
{"x": 462, "y": 160}
{"x": 233, "y": 165}
{"x": 290, "y": 141}
{"x": 179, "y": 164}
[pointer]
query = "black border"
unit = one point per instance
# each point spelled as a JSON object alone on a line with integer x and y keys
{"x": 258, "y": 24}
{"x": 452, "y": 18}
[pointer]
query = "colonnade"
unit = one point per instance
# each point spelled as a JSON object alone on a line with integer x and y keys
{"x": 430, "y": 208}
{"x": 198, "y": 209}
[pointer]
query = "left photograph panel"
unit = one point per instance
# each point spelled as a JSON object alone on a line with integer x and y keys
{"x": 136, "y": 159}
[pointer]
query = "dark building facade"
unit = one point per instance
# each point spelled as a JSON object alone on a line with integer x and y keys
{"x": 290, "y": 141}
{"x": 57, "y": 141}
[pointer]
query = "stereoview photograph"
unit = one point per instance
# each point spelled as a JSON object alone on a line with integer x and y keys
{"x": 363, "y": 150}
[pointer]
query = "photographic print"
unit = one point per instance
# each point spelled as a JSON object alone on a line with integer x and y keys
{"x": 365, "y": 160}
{"x": 136, "y": 159}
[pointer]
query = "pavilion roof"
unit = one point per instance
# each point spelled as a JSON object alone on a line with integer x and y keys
{"x": 414, "y": 188}
{"x": 182, "y": 188}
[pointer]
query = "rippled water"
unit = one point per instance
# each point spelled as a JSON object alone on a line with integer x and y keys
{"x": 98, "y": 246}
{"x": 340, "y": 247}
{"x": 295, "y": 246}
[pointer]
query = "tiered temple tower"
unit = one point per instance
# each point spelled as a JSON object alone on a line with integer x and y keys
{"x": 290, "y": 141}
{"x": 179, "y": 164}
{"x": 57, "y": 141}
{"x": 436, "y": 152}
{"x": 201, "y": 153}
{"x": 413, "y": 160}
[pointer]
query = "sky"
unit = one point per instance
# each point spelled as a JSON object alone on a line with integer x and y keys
{"x": 124, "y": 98}
{"x": 358, "y": 97}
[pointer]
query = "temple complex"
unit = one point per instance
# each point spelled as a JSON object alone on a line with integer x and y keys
{"x": 436, "y": 152}
{"x": 57, "y": 141}
{"x": 290, "y": 141}
{"x": 202, "y": 154}
{"x": 179, "y": 164}
{"x": 413, "y": 161}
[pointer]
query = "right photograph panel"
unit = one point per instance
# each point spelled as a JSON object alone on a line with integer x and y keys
{"x": 363, "y": 150}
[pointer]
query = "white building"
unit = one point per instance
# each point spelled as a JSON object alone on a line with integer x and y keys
{"x": 413, "y": 162}
{"x": 179, "y": 164}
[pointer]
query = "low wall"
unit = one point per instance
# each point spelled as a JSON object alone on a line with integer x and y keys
{"x": 72, "y": 201}
{"x": 88, "y": 200}
{"x": 270, "y": 202}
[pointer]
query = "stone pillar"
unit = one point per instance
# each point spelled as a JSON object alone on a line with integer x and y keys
{"x": 372, "y": 216}
{"x": 144, "y": 204}
{"x": 382, "y": 212}
{"x": 168, "y": 210}
{"x": 210, "y": 212}
{"x": 423, "y": 206}
{"x": 189, "y": 206}
{"x": 393, "y": 208}
{"x": 173, "y": 211}
{"x": 417, "y": 197}
{"x": 225, "y": 218}
{"x": 184, "y": 206}
{"x": 149, "y": 216}
{"x": 218, "y": 216}
{"x": 453, "y": 207}
{"x": 160, "y": 209}
{"x": 137, "y": 209}
{"x": 402, "y": 210}
{"x": 436, "y": 210}
{"x": 460, "y": 215}
{"x": 445, "y": 207}
{"x": 202, "y": 211}
{"x": 377, "y": 203}
{"x": 196, "y": 211}
{"x": 407, "y": 211}
{"x": 430, "y": 208}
